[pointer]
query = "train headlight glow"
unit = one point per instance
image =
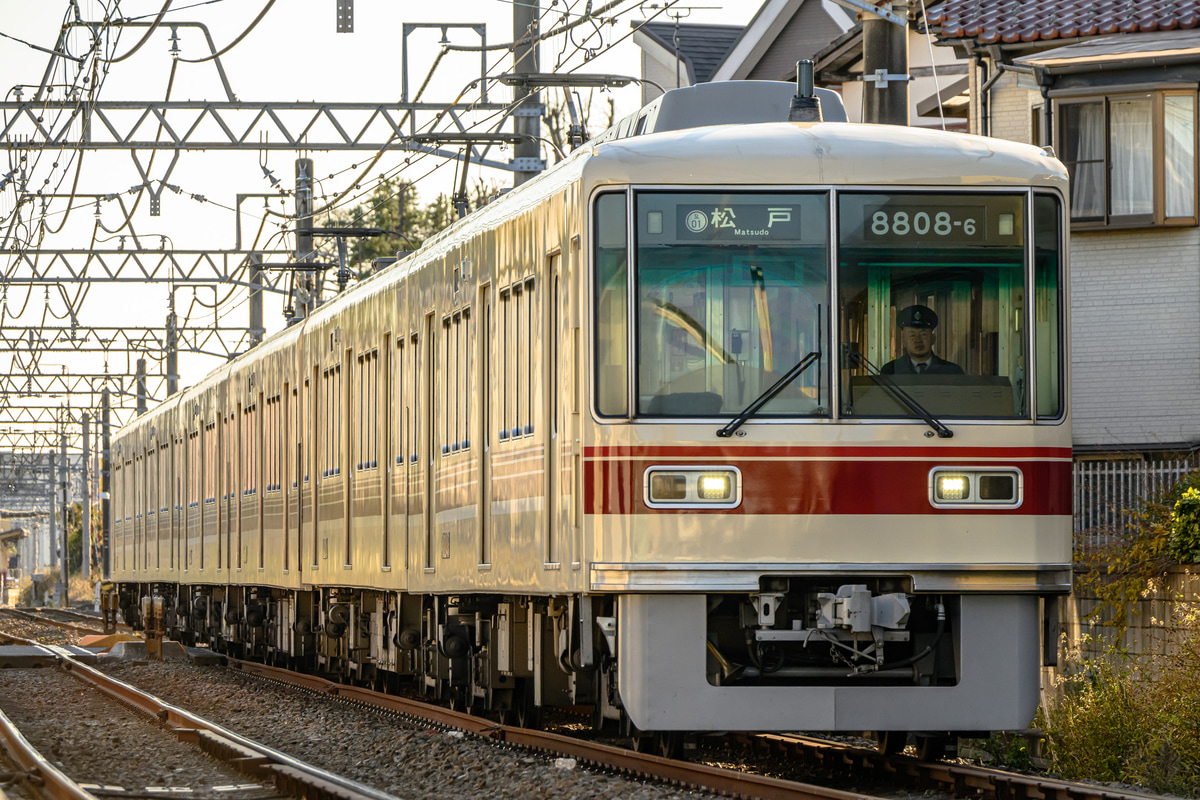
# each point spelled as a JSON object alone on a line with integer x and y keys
{"x": 692, "y": 487}
{"x": 977, "y": 487}
{"x": 952, "y": 487}
{"x": 714, "y": 487}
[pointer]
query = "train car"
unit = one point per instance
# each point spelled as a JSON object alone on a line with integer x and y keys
{"x": 650, "y": 433}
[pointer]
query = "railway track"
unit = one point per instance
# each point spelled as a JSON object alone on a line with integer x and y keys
{"x": 803, "y": 755}
{"x": 94, "y": 727}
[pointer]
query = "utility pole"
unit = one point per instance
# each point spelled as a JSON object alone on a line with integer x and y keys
{"x": 66, "y": 529}
{"x": 172, "y": 350}
{"x": 256, "y": 305}
{"x": 52, "y": 553}
{"x": 306, "y": 293}
{"x": 105, "y": 487}
{"x": 141, "y": 386}
{"x": 86, "y": 500}
{"x": 527, "y": 117}
{"x": 885, "y": 68}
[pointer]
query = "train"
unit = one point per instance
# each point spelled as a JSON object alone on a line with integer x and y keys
{"x": 649, "y": 435}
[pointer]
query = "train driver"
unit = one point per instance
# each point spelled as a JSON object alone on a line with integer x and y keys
{"x": 917, "y": 324}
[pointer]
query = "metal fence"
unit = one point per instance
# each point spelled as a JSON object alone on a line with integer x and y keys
{"x": 1109, "y": 493}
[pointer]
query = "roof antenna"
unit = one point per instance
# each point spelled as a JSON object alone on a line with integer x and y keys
{"x": 806, "y": 106}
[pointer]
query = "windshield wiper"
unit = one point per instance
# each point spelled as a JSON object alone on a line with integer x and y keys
{"x": 769, "y": 395}
{"x": 858, "y": 359}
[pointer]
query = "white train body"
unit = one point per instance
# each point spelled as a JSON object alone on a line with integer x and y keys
{"x": 496, "y": 466}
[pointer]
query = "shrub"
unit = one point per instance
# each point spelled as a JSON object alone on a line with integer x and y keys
{"x": 1184, "y": 542}
{"x": 1110, "y": 721}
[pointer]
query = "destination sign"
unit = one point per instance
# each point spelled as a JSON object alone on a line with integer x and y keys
{"x": 931, "y": 221}
{"x": 737, "y": 222}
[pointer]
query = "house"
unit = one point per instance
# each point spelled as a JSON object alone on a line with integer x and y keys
{"x": 1113, "y": 88}
{"x": 785, "y": 31}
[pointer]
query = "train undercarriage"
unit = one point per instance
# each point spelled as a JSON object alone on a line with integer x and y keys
{"x": 796, "y": 655}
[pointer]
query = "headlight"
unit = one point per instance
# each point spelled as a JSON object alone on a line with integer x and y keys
{"x": 714, "y": 487}
{"x": 692, "y": 487}
{"x": 953, "y": 487}
{"x": 976, "y": 487}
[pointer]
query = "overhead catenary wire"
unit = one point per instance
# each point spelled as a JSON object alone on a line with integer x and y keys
{"x": 236, "y": 41}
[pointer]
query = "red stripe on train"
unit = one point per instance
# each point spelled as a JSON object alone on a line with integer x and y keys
{"x": 827, "y": 487}
{"x": 835, "y": 452}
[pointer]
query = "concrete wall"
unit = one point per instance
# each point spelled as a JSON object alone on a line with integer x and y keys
{"x": 1135, "y": 327}
{"x": 1154, "y": 624}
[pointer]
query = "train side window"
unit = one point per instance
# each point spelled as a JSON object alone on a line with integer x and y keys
{"x": 1047, "y": 299}
{"x": 530, "y": 337}
{"x": 398, "y": 397}
{"x": 193, "y": 458}
{"x": 414, "y": 437}
{"x": 611, "y": 293}
{"x": 504, "y": 338}
{"x": 271, "y": 438}
{"x": 520, "y": 367}
{"x": 368, "y": 366}
{"x": 464, "y": 389}
{"x": 210, "y": 463}
{"x": 332, "y": 379}
{"x": 249, "y": 450}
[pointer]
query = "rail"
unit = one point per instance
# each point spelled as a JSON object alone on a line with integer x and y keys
{"x": 700, "y": 776}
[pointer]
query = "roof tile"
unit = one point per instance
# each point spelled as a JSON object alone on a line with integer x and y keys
{"x": 1011, "y": 21}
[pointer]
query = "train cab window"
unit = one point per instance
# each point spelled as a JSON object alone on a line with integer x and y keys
{"x": 932, "y": 297}
{"x": 732, "y": 292}
{"x": 1047, "y": 298}
{"x": 612, "y": 306}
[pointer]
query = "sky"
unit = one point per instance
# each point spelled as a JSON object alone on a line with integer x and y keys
{"x": 293, "y": 53}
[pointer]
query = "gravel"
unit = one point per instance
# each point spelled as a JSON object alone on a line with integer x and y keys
{"x": 93, "y": 739}
{"x": 405, "y": 759}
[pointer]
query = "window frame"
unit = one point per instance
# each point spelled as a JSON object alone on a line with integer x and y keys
{"x": 1106, "y": 96}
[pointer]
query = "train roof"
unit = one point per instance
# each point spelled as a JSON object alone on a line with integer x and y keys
{"x": 827, "y": 153}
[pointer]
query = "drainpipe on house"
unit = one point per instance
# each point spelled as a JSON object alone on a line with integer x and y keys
{"x": 981, "y": 65}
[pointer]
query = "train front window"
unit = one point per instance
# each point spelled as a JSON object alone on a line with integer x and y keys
{"x": 931, "y": 293}
{"x": 732, "y": 291}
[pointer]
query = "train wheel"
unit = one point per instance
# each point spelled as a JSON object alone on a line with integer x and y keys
{"x": 643, "y": 741}
{"x": 931, "y": 748}
{"x": 526, "y": 714}
{"x": 670, "y": 744}
{"x": 891, "y": 743}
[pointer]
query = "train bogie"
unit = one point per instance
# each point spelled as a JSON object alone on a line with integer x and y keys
{"x": 652, "y": 433}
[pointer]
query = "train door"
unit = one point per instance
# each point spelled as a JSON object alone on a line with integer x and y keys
{"x": 222, "y": 476}
{"x": 484, "y": 338}
{"x": 343, "y": 420}
{"x": 426, "y": 373}
{"x": 402, "y": 427}
{"x": 287, "y": 467}
{"x": 228, "y": 460}
{"x": 311, "y": 462}
{"x": 550, "y": 403}
{"x": 384, "y": 439}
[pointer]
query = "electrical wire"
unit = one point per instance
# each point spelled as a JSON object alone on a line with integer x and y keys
{"x": 153, "y": 27}
{"x": 236, "y": 41}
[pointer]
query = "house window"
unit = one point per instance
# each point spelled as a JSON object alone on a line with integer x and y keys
{"x": 1132, "y": 158}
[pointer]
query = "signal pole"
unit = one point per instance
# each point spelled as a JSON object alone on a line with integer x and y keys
{"x": 527, "y": 117}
